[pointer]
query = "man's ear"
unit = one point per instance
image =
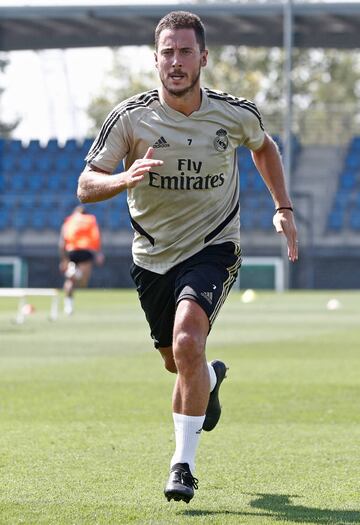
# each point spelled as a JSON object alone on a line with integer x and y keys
{"x": 156, "y": 59}
{"x": 204, "y": 58}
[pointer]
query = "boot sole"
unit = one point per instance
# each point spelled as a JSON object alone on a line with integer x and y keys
{"x": 178, "y": 497}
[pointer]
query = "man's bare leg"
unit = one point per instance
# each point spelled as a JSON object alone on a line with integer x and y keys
{"x": 190, "y": 396}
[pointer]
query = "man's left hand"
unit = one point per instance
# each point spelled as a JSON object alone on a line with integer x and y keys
{"x": 283, "y": 221}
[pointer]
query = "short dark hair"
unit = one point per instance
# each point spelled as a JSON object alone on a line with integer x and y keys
{"x": 182, "y": 20}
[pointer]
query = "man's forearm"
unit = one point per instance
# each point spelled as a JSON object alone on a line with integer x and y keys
{"x": 268, "y": 162}
{"x": 94, "y": 186}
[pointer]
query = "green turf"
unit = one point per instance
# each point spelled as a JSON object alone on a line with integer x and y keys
{"x": 85, "y": 415}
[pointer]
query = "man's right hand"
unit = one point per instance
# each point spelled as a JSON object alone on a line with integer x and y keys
{"x": 96, "y": 185}
{"x": 137, "y": 171}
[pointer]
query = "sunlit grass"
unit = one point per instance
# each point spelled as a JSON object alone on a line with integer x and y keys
{"x": 86, "y": 428}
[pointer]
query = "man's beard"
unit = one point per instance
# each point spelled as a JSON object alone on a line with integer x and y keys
{"x": 182, "y": 92}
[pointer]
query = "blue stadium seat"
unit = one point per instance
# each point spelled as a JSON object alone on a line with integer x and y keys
{"x": 341, "y": 199}
{"x": 55, "y": 219}
{"x": 38, "y": 219}
{"x": 336, "y": 221}
{"x": 245, "y": 161}
{"x": 265, "y": 219}
{"x": 5, "y": 215}
{"x": 26, "y": 162}
{"x": 70, "y": 182}
{"x": 12, "y": 147}
{"x": 35, "y": 182}
{"x": 244, "y": 181}
{"x": 78, "y": 164}
{"x": 348, "y": 181}
{"x": 54, "y": 181}
{"x": 53, "y": 146}
{"x": 118, "y": 214}
{"x": 69, "y": 203}
{"x": 355, "y": 144}
{"x": 102, "y": 217}
{"x": 354, "y": 220}
{"x": 20, "y": 219}
{"x": 121, "y": 205}
{"x": 250, "y": 201}
{"x": 343, "y": 196}
{"x": 258, "y": 183}
{"x": 44, "y": 161}
{"x": 119, "y": 168}
{"x": 357, "y": 200}
{"x": 28, "y": 201}
{"x": 9, "y": 163}
{"x": 71, "y": 145}
{"x": 246, "y": 219}
{"x": 34, "y": 147}
{"x": 353, "y": 160}
{"x": 114, "y": 221}
{"x": 17, "y": 182}
{"x": 63, "y": 162}
{"x": 85, "y": 146}
{"x": 49, "y": 202}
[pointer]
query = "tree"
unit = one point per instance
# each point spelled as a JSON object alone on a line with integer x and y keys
{"x": 122, "y": 82}
{"x": 326, "y": 87}
{"x": 325, "y": 83}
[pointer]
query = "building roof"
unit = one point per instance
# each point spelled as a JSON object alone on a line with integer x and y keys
{"x": 328, "y": 25}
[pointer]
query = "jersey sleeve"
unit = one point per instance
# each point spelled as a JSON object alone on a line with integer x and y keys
{"x": 252, "y": 126}
{"x": 111, "y": 144}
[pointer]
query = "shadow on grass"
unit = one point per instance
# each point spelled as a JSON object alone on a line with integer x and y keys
{"x": 280, "y": 507}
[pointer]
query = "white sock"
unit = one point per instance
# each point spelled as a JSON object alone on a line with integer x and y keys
{"x": 68, "y": 305}
{"x": 187, "y": 435}
{"x": 213, "y": 378}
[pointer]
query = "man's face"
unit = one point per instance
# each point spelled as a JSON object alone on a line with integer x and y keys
{"x": 179, "y": 60}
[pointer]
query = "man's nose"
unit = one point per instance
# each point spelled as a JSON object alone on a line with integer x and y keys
{"x": 176, "y": 61}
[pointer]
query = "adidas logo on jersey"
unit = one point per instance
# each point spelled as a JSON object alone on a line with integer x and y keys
{"x": 161, "y": 143}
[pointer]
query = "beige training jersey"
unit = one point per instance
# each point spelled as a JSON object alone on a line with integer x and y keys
{"x": 193, "y": 199}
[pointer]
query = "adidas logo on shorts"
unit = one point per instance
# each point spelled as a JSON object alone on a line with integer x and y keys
{"x": 161, "y": 143}
{"x": 208, "y": 296}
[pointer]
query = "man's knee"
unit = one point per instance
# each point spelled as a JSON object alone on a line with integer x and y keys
{"x": 188, "y": 347}
{"x": 190, "y": 331}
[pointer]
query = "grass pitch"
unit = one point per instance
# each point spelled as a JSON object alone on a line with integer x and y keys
{"x": 85, "y": 415}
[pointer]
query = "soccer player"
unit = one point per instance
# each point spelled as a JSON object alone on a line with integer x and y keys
{"x": 179, "y": 144}
{"x": 79, "y": 247}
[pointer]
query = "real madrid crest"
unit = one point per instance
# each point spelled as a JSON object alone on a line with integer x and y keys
{"x": 221, "y": 140}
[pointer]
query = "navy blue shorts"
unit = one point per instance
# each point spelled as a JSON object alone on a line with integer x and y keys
{"x": 205, "y": 278}
{"x": 79, "y": 256}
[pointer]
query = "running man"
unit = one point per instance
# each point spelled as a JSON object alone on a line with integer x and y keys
{"x": 179, "y": 146}
{"x": 79, "y": 247}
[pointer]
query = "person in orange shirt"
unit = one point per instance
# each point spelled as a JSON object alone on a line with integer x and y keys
{"x": 79, "y": 247}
